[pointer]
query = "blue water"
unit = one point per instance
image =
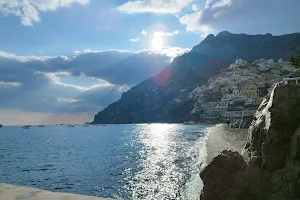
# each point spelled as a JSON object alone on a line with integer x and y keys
{"x": 150, "y": 161}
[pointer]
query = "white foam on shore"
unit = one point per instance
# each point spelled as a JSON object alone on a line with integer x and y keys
{"x": 193, "y": 188}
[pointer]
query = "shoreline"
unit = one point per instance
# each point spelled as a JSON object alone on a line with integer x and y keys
{"x": 221, "y": 137}
{"x": 13, "y": 192}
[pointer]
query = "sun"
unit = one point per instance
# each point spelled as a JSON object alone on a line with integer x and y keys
{"x": 157, "y": 42}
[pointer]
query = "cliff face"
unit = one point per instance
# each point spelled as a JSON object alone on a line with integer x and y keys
{"x": 270, "y": 166}
{"x": 162, "y": 98}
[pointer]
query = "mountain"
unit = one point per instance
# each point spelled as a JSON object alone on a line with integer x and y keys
{"x": 162, "y": 98}
{"x": 153, "y": 99}
{"x": 249, "y": 47}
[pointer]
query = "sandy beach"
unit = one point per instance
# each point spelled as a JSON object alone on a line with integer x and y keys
{"x": 223, "y": 137}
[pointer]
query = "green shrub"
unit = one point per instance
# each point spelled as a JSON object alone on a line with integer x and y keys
{"x": 296, "y": 61}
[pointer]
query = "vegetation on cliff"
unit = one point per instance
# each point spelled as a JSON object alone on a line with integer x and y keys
{"x": 296, "y": 61}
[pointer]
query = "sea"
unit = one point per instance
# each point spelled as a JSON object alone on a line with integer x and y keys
{"x": 138, "y": 161}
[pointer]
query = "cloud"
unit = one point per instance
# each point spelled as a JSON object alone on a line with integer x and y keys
{"x": 28, "y": 58}
{"x": 170, "y": 52}
{"x": 134, "y": 40}
{"x": 29, "y": 10}
{"x": 195, "y": 7}
{"x": 89, "y": 51}
{"x": 87, "y": 81}
{"x": 207, "y": 3}
{"x": 66, "y": 100}
{"x": 154, "y": 6}
{"x": 56, "y": 77}
{"x": 144, "y": 32}
{"x": 192, "y": 24}
{"x": 9, "y": 84}
{"x": 161, "y": 34}
{"x": 221, "y": 3}
{"x": 250, "y": 16}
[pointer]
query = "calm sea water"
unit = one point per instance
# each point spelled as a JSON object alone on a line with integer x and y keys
{"x": 150, "y": 161}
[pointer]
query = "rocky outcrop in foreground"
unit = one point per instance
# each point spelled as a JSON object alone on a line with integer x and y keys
{"x": 269, "y": 167}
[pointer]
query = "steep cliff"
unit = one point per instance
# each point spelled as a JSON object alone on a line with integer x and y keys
{"x": 270, "y": 166}
{"x": 163, "y": 98}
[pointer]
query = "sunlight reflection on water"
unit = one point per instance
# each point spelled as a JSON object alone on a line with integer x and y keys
{"x": 167, "y": 161}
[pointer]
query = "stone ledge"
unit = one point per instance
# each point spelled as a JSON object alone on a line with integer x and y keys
{"x": 13, "y": 192}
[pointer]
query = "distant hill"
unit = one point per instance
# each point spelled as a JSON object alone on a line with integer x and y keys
{"x": 162, "y": 98}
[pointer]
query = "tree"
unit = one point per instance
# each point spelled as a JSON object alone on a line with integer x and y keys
{"x": 295, "y": 61}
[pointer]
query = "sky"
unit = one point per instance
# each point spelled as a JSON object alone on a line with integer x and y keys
{"x": 62, "y": 61}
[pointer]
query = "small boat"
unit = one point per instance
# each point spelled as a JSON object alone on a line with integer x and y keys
{"x": 103, "y": 124}
{"x": 26, "y": 127}
{"x": 85, "y": 125}
{"x": 41, "y": 126}
{"x": 70, "y": 125}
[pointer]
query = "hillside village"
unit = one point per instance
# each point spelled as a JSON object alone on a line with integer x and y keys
{"x": 237, "y": 91}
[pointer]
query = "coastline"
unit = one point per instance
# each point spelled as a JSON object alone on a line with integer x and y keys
{"x": 222, "y": 137}
{"x": 12, "y": 192}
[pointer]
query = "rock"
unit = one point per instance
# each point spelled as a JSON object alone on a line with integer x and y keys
{"x": 270, "y": 166}
{"x": 236, "y": 124}
{"x": 246, "y": 122}
{"x": 219, "y": 175}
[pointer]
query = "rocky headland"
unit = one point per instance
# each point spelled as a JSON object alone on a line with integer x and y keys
{"x": 268, "y": 167}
